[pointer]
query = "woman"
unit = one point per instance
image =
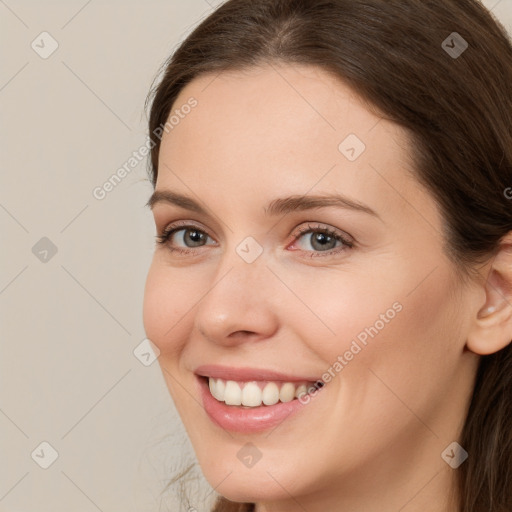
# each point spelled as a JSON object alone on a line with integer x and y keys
{"x": 331, "y": 293}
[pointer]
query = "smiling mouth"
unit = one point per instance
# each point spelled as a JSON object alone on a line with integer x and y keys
{"x": 253, "y": 393}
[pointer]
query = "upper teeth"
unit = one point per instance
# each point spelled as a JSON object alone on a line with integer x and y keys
{"x": 254, "y": 393}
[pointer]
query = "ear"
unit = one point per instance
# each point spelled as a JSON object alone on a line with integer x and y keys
{"x": 491, "y": 329}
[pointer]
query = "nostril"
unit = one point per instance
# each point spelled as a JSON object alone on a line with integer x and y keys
{"x": 242, "y": 333}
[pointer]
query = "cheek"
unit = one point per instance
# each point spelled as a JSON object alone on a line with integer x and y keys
{"x": 154, "y": 305}
{"x": 404, "y": 364}
{"x": 165, "y": 307}
{"x": 341, "y": 310}
{"x": 391, "y": 319}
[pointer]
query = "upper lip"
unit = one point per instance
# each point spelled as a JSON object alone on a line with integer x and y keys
{"x": 246, "y": 374}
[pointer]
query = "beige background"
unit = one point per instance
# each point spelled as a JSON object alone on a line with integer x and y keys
{"x": 70, "y": 321}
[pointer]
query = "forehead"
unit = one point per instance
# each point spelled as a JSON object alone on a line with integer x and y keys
{"x": 282, "y": 127}
{"x": 284, "y": 100}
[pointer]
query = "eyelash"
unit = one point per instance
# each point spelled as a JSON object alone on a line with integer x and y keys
{"x": 164, "y": 238}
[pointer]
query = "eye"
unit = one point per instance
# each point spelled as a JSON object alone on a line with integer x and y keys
{"x": 323, "y": 240}
{"x": 192, "y": 237}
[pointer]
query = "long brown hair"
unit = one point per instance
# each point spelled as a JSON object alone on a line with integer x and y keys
{"x": 457, "y": 109}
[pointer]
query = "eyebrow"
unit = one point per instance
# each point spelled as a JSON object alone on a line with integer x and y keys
{"x": 275, "y": 207}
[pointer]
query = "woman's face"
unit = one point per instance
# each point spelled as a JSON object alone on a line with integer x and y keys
{"x": 268, "y": 284}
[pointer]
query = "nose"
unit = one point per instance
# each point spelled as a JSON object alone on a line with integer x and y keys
{"x": 241, "y": 304}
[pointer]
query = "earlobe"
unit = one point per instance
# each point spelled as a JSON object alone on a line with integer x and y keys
{"x": 491, "y": 329}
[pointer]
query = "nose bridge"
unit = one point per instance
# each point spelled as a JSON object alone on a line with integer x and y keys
{"x": 242, "y": 267}
{"x": 239, "y": 297}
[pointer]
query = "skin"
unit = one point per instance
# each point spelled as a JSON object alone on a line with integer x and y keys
{"x": 372, "y": 438}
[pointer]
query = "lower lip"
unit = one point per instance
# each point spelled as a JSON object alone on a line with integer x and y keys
{"x": 239, "y": 419}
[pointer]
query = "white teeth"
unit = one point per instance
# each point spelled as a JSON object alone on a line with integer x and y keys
{"x": 211, "y": 385}
{"x": 232, "y": 393}
{"x": 270, "y": 395}
{"x": 256, "y": 393}
{"x": 251, "y": 395}
{"x": 301, "y": 390}
{"x": 217, "y": 387}
{"x": 220, "y": 388}
{"x": 287, "y": 392}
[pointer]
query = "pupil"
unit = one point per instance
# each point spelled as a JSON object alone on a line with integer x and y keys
{"x": 195, "y": 236}
{"x": 322, "y": 239}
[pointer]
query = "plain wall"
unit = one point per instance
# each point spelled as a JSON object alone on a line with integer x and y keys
{"x": 70, "y": 321}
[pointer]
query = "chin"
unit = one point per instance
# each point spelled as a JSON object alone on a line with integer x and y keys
{"x": 267, "y": 480}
